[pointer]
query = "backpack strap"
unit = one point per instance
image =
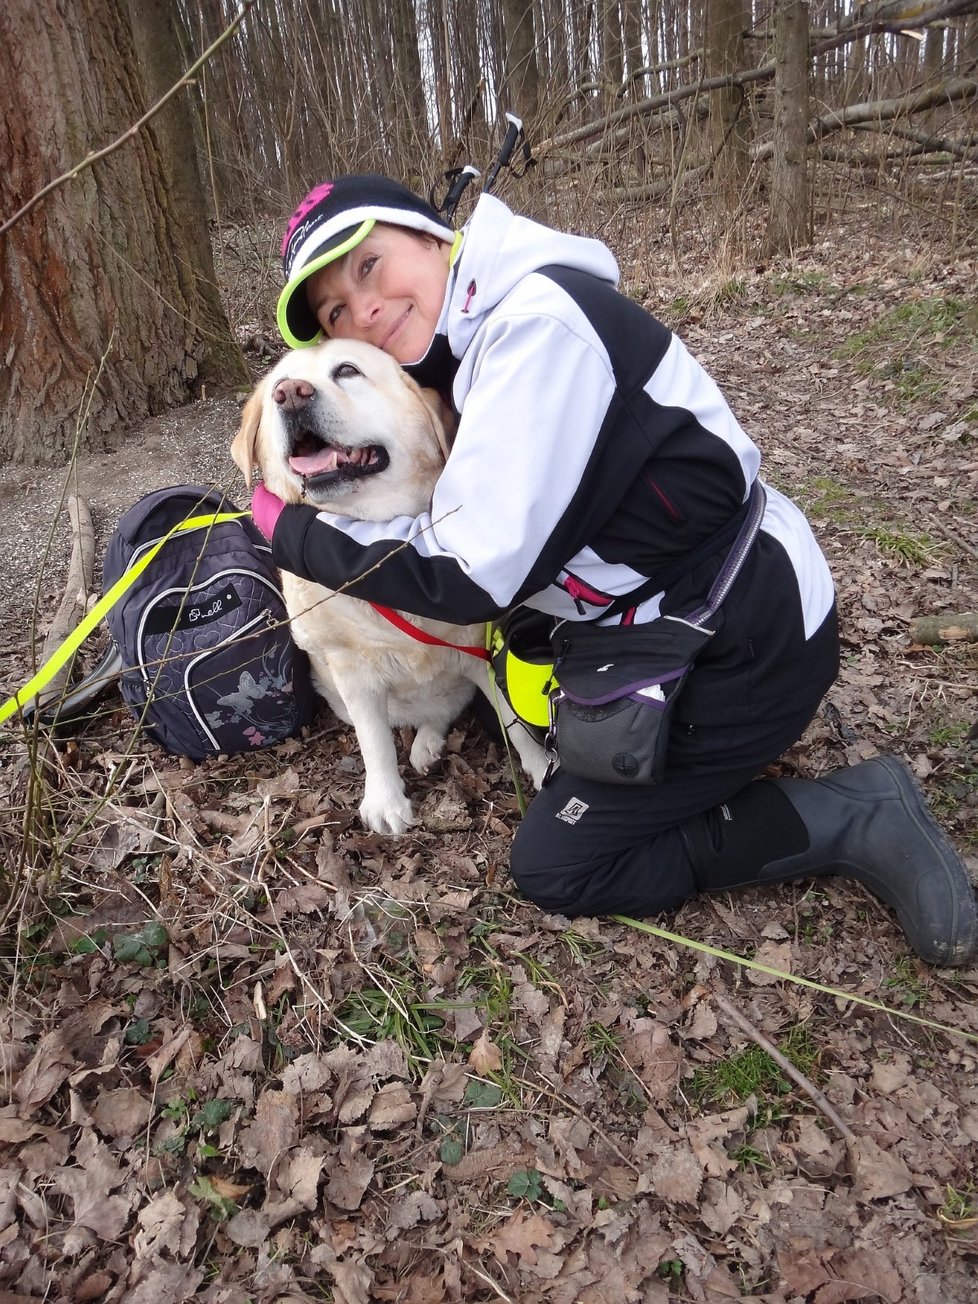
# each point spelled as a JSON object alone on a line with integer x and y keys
{"x": 22, "y": 699}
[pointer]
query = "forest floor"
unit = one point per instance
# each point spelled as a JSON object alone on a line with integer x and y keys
{"x": 252, "y": 1052}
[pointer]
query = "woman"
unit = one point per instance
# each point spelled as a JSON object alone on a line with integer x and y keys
{"x": 596, "y": 459}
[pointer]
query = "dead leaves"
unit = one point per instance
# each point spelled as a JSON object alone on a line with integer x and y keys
{"x": 836, "y": 1276}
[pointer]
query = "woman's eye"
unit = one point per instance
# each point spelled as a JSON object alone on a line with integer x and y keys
{"x": 368, "y": 264}
{"x": 334, "y": 314}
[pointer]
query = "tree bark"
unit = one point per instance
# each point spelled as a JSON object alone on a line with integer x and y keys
{"x": 99, "y": 319}
{"x": 726, "y": 23}
{"x": 788, "y": 214}
{"x": 176, "y": 131}
{"x": 953, "y": 627}
{"x": 521, "y": 93}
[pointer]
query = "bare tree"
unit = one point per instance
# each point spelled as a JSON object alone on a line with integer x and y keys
{"x": 521, "y": 92}
{"x": 102, "y": 290}
{"x": 788, "y": 216}
{"x": 726, "y": 56}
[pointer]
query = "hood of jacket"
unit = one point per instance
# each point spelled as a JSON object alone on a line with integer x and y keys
{"x": 498, "y": 250}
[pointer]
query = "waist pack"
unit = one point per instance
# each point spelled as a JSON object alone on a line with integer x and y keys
{"x": 207, "y": 661}
{"x": 200, "y": 635}
{"x": 618, "y": 684}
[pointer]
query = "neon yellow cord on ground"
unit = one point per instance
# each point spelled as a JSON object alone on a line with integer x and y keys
{"x": 678, "y": 938}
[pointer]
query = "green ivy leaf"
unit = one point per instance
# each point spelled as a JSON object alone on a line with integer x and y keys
{"x": 138, "y": 1033}
{"x": 127, "y": 948}
{"x": 213, "y": 1114}
{"x": 154, "y": 935}
{"x": 220, "y": 1205}
{"x": 451, "y": 1151}
{"x": 526, "y": 1185}
{"x": 483, "y": 1095}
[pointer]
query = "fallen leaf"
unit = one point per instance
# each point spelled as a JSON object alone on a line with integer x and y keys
{"x": 677, "y": 1174}
{"x": 348, "y": 1182}
{"x": 122, "y": 1113}
{"x": 877, "y": 1173}
{"x": 523, "y": 1235}
{"x": 485, "y": 1056}
{"x": 166, "y": 1223}
{"x": 390, "y": 1107}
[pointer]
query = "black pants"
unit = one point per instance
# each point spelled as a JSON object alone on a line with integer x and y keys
{"x": 587, "y": 848}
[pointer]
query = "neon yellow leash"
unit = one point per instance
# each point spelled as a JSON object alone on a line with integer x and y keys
{"x": 678, "y": 938}
{"x": 73, "y": 642}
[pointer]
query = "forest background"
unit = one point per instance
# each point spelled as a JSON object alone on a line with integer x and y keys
{"x": 250, "y": 1052}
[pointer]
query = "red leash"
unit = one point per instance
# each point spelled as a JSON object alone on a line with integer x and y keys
{"x": 423, "y": 636}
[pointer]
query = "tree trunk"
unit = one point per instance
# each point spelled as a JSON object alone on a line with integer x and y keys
{"x": 631, "y": 17}
{"x": 176, "y": 131}
{"x": 727, "y": 20}
{"x": 521, "y": 93}
{"x": 612, "y": 53}
{"x": 788, "y": 219}
{"x": 100, "y": 287}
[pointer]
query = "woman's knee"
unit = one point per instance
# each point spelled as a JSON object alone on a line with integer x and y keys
{"x": 648, "y": 878}
{"x": 540, "y": 877}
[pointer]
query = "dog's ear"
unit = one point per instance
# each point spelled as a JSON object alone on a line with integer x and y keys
{"x": 244, "y": 446}
{"x": 442, "y": 418}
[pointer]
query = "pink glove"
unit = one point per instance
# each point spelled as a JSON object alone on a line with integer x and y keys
{"x": 266, "y": 508}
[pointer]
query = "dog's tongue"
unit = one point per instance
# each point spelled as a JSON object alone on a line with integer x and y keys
{"x": 319, "y": 463}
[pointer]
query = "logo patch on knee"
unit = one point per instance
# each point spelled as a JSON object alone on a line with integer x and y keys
{"x": 573, "y": 811}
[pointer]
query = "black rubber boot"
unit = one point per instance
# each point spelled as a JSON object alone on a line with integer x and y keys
{"x": 870, "y": 823}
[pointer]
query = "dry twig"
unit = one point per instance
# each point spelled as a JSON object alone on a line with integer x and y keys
{"x": 786, "y": 1066}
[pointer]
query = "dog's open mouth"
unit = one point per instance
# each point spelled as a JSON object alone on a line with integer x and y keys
{"x": 322, "y": 465}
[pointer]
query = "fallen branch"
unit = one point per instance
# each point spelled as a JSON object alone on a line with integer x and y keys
{"x": 876, "y": 112}
{"x": 77, "y": 588}
{"x": 926, "y": 143}
{"x": 889, "y": 17}
{"x": 952, "y": 627}
{"x": 786, "y": 1066}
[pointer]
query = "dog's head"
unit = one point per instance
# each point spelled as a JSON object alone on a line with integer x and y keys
{"x": 342, "y": 427}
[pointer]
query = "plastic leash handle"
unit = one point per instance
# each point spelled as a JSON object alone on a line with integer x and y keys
{"x": 76, "y": 638}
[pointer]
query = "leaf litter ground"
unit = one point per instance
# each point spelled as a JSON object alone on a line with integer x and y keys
{"x": 253, "y": 1053}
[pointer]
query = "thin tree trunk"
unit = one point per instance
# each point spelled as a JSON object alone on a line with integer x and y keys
{"x": 788, "y": 217}
{"x": 725, "y": 54}
{"x": 521, "y": 87}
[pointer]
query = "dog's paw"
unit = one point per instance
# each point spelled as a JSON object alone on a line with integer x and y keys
{"x": 533, "y": 757}
{"x": 537, "y": 769}
{"x": 427, "y": 748}
{"x": 391, "y": 813}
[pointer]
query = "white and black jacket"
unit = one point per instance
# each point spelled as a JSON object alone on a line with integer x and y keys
{"x": 593, "y": 453}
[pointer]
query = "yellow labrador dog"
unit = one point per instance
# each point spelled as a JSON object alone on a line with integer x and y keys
{"x": 342, "y": 427}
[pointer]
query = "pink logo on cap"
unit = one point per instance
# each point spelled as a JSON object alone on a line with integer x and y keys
{"x": 311, "y": 200}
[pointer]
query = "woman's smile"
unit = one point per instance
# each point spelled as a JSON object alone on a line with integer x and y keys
{"x": 387, "y": 291}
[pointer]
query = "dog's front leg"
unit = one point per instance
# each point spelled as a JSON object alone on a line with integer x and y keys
{"x": 532, "y": 756}
{"x": 386, "y": 807}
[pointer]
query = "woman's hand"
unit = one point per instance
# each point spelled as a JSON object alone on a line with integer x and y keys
{"x": 266, "y": 508}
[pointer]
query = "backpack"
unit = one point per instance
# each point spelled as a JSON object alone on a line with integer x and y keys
{"x": 208, "y": 665}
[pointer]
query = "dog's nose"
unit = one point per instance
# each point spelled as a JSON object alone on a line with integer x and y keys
{"x": 293, "y": 393}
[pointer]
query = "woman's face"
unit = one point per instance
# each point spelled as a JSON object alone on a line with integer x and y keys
{"x": 388, "y": 291}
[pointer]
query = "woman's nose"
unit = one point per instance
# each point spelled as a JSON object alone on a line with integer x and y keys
{"x": 365, "y": 309}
